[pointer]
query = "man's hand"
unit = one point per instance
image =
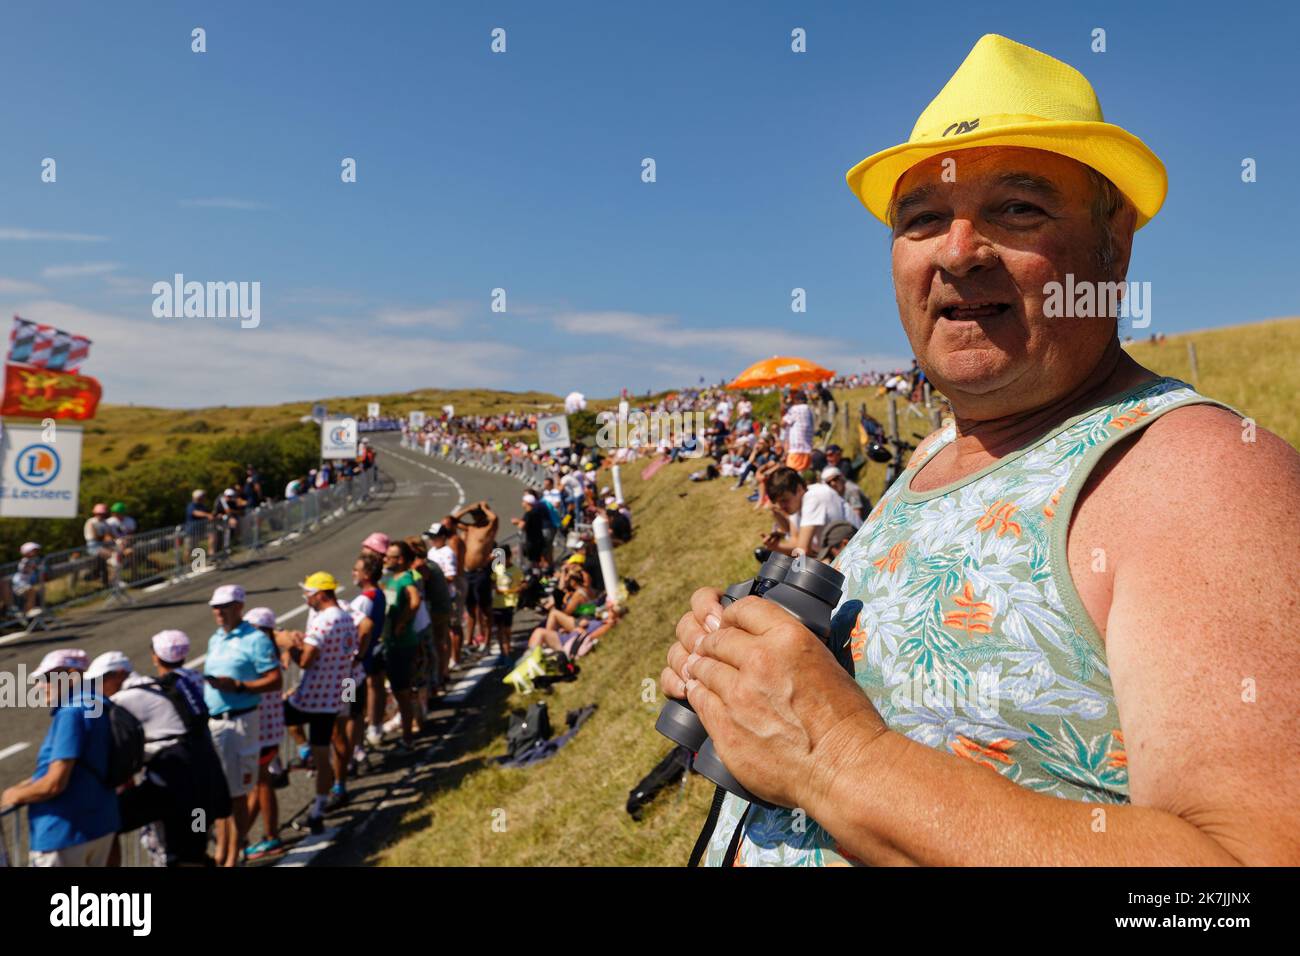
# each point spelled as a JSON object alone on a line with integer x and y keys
{"x": 224, "y": 684}
{"x": 782, "y": 712}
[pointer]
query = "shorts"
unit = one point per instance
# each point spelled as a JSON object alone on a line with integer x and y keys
{"x": 320, "y": 727}
{"x": 398, "y": 664}
{"x": 237, "y": 745}
{"x": 457, "y": 605}
{"x": 479, "y": 589}
{"x": 422, "y": 660}
{"x": 357, "y": 706}
{"x": 799, "y": 461}
{"x": 504, "y": 616}
{"x": 91, "y": 853}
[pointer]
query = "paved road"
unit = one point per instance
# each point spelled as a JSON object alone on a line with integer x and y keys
{"x": 417, "y": 491}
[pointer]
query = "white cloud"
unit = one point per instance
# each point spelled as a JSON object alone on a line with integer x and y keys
{"x": 188, "y": 363}
{"x": 19, "y": 287}
{"x": 34, "y": 235}
{"x": 443, "y": 317}
{"x": 77, "y": 271}
{"x": 245, "y": 204}
{"x": 667, "y": 332}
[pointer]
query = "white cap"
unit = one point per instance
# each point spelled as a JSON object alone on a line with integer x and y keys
{"x": 171, "y": 646}
{"x": 197, "y": 493}
{"x": 108, "y": 663}
{"x": 31, "y": 547}
{"x": 830, "y": 471}
{"x": 260, "y": 617}
{"x": 227, "y": 594}
{"x": 530, "y": 499}
{"x": 228, "y": 493}
{"x": 67, "y": 658}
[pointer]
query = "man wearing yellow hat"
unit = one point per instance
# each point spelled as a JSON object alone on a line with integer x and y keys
{"x": 325, "y": 655}
{"x": 1059, "y": 617}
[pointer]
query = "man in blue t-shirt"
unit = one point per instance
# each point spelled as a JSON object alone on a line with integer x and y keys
{"x": 72, "y": 813}
{"x": 241, "y": 665}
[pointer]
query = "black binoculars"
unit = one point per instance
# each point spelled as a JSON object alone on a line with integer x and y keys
{"x": 809, "y": 591}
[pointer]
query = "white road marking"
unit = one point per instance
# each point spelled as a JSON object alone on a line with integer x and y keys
{"x": 460, "y": 492}
{"x": 15, "y": 748}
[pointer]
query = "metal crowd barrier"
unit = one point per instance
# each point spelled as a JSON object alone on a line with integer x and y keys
{"x": 15, "y": 851}
{"x": 525, "y": 470}
{"x": 168, "y": 554}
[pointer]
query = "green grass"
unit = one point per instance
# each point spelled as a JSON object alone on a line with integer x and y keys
{"x": 570, "y": 810}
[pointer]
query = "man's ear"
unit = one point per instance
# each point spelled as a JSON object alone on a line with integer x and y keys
{"x": 1122, "y": 227}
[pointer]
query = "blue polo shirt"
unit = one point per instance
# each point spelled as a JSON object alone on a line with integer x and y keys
{"x": 244, "y": 653}
{"x": 87, "y": 808}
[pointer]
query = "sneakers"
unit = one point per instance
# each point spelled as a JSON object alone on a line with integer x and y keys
{"x": 303, "y": 760}
{"x": 316, "y": 825}
{"x": 374, "y": 736}
{"x": 265, "y": 848}
{"x": 337, "y": 797}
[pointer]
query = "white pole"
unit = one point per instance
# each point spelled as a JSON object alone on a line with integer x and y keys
{"x": 605, "y": 551}
{"x": 618, "y": 486}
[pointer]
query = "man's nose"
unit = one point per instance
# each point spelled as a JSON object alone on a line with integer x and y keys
{"x": 964, "y": 250}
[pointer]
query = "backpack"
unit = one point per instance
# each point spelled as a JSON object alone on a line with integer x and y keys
{"x": 665, "y": 773}
{"x": 194, "y": 718}
{"x": 125, "y": 747}
{"x": 528, "y": 728}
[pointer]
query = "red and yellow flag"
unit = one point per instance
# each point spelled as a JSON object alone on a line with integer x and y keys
{"x": 44, "y": 393}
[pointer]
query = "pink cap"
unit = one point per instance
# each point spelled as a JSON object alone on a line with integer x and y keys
{"x": 172, "y": 646}
{"x": 227, "y": 594}
{"x": 377, "y": 542}
{"x": 67, "y": 658}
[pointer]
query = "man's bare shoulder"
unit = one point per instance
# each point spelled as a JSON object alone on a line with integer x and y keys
{"x": 1201, "y": 470}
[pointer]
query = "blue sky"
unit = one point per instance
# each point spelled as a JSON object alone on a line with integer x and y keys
{"x": 522, "y": 171}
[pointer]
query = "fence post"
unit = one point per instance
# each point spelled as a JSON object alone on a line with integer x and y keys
{"x": 893, "y": 416}
{"x": 1196, "y": 372}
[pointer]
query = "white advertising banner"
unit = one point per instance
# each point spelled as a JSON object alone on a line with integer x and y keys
{"x": 552, "y": 432}
{"x": 372, "y": 409}
{"x": 39, "y": 478}
{"x": 417, "y": 419}
{"x": 338, "y": 438}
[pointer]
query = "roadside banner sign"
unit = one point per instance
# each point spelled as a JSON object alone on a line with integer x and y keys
{"x": 39, "y": 478}
{"x": 552, "y": 432}
{"x": 417, "y": 419}
{"x": 338, "y": 438}
{"x": 372, "y": 409}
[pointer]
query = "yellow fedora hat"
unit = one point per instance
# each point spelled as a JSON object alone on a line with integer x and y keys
{"x": 1007, "y": 94}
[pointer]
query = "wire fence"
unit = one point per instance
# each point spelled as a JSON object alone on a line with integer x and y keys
{"x": 131, "y": 562}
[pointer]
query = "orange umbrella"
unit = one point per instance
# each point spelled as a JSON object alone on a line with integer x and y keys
{"x": 780, "y": 370}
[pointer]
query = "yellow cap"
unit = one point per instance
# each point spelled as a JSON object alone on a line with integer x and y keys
{"x": 1007, "y": 94}
{"x": 320, "y": 581}
{"x": 575, "y": 559}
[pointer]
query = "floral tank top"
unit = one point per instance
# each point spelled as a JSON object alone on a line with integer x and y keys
{"x": 966, "y": 630}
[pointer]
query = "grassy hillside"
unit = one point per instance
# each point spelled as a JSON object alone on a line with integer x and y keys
{"x": 570, "y": 811}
